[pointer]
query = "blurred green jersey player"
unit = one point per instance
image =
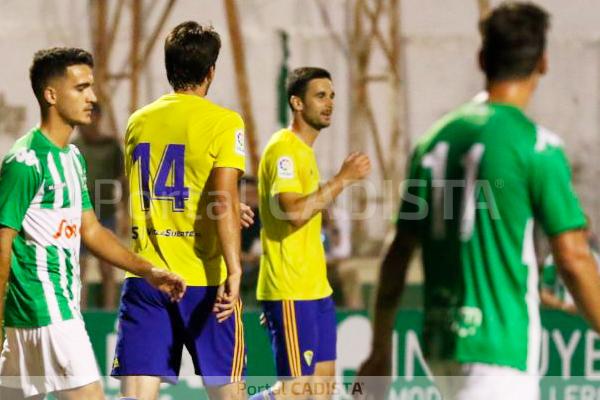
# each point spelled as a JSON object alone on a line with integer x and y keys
{"x": 477, "y": 183}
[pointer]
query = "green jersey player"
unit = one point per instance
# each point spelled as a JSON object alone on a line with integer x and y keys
{"x": 45, "y": 211}
{"x": 476, "y": 184}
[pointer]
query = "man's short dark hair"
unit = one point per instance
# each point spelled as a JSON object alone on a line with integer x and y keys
{"x": 298, "y": 80}
{"x": 51, "y": 63}
{"x": 514, "y": 40}
{"x": 190, "y": 51}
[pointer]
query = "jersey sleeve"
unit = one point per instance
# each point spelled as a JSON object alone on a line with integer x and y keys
{"x": 410, "y": 216}
{"x": 229, "y": 146}
{"x": 86, "y": 202}
{"x": 20, "y": 180}
{"x": 283, "y": 170}
{"x": 555, "y": 203}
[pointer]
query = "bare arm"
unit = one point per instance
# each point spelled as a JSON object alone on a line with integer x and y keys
{"x": 225, "y": 198}
{"x": 579, "y": 271}
{"x": 299, "y": 209}
{"x": 7, "y": 235}
{"x": 392, "y": 279}
{"x": 376, "y": 369}
{"x": 104, "y": 244}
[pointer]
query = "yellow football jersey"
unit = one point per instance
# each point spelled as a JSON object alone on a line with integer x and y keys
{"x": 171, "y": 147}
{"x": 293, "y": 265}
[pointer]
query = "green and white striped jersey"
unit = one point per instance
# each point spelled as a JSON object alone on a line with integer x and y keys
{"x": 42, "y": 195}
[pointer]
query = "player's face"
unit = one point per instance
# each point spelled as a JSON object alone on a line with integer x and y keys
{"x": 73, "y": 95}
{"x": 318, "y": 103}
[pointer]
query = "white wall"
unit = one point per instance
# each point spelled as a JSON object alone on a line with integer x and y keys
{"x": 440, "y": 44}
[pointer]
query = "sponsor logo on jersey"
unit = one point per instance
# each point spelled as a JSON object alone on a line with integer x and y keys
{"x": 285, "y": 167}
{"x": 240, "y": 143}
{"x": 308, "y": 357}
{"x": 57, "y": 186}
{"x": 467, "y": 321}
{"x": 65, "y": 229}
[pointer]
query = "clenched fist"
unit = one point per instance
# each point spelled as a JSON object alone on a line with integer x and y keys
{"x": 355, "y": 167}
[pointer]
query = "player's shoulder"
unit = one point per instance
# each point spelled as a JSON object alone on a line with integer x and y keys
{"x": 220, "y": 114}
{"x": 280, "y": 142}
{"x": 142, "y": 112}
{"x": 545, "y": 139}
{"x": 217, "y": 109}
{"x": 26, "y": 152}
{"x": 74, "y": 148}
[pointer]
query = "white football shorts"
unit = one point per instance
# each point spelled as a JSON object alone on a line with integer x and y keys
{"x": 48, "y": 359}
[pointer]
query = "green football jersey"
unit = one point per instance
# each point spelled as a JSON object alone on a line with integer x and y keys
{"x": 42, "y": 195}
{"x": 476, "y": 184}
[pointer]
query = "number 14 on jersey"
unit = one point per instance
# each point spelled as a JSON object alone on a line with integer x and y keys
{"x": 169, "y": 182}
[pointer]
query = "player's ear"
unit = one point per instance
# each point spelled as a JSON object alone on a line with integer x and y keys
{"x": 50, "y": 95}
{"x": 296, "y": 103}
{"x": 542, "y": 66}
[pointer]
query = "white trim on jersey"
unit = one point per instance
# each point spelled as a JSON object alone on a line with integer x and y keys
{"x": 58, "y": 193}
{"x": 532, "y": 298}
{"x": 545, "y": 138}
{"x": 47, "y": 285}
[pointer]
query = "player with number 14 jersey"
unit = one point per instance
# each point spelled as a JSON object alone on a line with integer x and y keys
{"x": 177, "y": 149}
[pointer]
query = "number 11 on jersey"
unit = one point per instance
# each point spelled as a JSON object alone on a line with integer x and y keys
{"x": 437, "y": 161}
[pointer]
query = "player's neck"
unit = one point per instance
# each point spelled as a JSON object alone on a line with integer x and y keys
{"x": 56, "y": 129}
{"x": 200, "y": 90}
{"x": 517, "y": 92}
{"x": 304, "y": 131}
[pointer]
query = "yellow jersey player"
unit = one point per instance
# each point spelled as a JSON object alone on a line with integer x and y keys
{"x": 292, "y": 284}
{"x": 184, "y": 155}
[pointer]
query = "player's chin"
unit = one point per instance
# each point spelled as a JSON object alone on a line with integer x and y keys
{"x": 84, "y": 119}
{"x": 324, "y": 123}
